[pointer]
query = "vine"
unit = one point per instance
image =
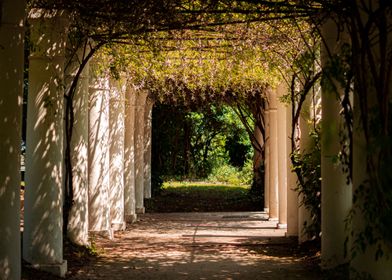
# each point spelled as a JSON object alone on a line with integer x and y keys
{"x": 204, "y": 64}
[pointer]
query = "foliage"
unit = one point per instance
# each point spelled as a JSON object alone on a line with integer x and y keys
{"x": 184, "y": 76}
{"x": 218, "y": 52}
{"x": 190, "y": 144}
{"x": 238, "y": 149}
{"x": 222, "y": 64}
{"x": 232, "y": 175}
{"x": 308, "y": 164}
{"x": 304, "y": 86}
{"x": 362, "y": 69}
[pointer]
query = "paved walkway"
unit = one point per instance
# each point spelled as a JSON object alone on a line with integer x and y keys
{"x": 200, "y": 246}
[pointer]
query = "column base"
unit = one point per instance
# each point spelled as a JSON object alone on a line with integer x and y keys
{"x": 102, "y": 233}
{"x": 58, "y": 269}
{"x": 118, "y": 226}
{"x": 131, "y": 218}
{"x": 82, "y": 241}
{"x": 281, "y": 226}
{"x": 140, "y": 210}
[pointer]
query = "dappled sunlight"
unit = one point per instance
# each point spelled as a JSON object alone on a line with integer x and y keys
{"x": 98, "y": 157}
{"x": 11, "y": 81}
{"x": 199, "y": 246}
{"x": 43, "y": 201}
{"x": 116, "y": 151}
{"x": 43, "y": 195}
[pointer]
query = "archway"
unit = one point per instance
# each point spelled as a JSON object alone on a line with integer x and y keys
{"x": 44, "y": 175}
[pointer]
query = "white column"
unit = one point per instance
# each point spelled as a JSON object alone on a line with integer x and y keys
{"x": 116, "y": 171}
{"x": 129, "y": 156}
{"x": 139, "y": 150}
{"x": 267, "y": 159}
{"x": 365, "y": 261}
{"x": 77, "y": 230}
{"x": 282, "y": 157}
{"x": 98, "y": 191}
{"x": 273, "y": 158}
{"x": 11, "y": 81}
{"x": 43, "y": 215}
{"x": 305, "y": 145}
{"x": 292, "y": 195}
{"x": 147, "y": 147}
{"x": 336, "y": 195}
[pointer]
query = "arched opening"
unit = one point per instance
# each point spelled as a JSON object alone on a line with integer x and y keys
{"x": 202, "y": 158}
{"x": 173, "y": 50}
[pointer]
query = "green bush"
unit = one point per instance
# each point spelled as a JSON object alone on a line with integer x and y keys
{"x": 308, "y": 168}
{"x": 226, "y": 173}
{"x": 246, "y": 172}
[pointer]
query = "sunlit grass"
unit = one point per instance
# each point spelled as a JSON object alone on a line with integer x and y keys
{"x": 190, "y": 196}
{"x": 201, "y": 184}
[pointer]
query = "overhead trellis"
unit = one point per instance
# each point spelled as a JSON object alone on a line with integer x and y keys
{"x": 186, "y": 52}
{"x": 107, "y": 19}
{"x": 208, "y": 47}
{"x": 194, "y": 67}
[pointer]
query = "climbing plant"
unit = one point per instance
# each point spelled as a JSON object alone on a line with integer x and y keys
{"x": 198, "y": 67}
{"x": 307, "y": 165}
{"x": 216, "y": 52}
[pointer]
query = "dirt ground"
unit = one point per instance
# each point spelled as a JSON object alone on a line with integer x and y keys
{"x": 225, "y": 245}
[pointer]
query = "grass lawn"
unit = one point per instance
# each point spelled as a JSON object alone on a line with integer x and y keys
{"x": 203, "y": 197}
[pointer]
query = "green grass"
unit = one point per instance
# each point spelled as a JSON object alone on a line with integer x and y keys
{"x": 202, "y": 185}
{"x": 203, "y": 197}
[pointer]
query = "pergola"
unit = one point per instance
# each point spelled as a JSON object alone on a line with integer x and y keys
{"x": 111, "y": 153}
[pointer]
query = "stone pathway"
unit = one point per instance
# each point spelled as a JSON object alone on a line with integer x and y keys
{"x": 200, "y": 246}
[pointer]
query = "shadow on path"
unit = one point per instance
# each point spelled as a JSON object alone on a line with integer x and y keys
{"x": 239, "y": 245}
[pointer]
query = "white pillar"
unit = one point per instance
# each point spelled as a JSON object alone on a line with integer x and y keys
{"x": 139, "y": 150}
{"x": 77, "y": 230}
{"x": 129, "y": 156}
{"x": 43, "y": 215}
{"x": 267, "y": 159}
{"x": 147, "y": 147}
{"x": 336, "y": 195}
{"x": 273, "y": 158}
{"x": 282, "y": 157}
{"x": 11, "y": 81}
{"x": 116, "y": 124}
{"x": 305, "y": 145}
{"x": 292, "y": 195}
{"x": 98, "y": 191}
{"x": 365, "y": 261}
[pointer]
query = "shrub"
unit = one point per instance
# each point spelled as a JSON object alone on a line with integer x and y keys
{"x": 228, "y": 174}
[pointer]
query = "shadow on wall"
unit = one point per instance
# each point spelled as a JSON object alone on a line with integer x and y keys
{"x": 99, "y": 154}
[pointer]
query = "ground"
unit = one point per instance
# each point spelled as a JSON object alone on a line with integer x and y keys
{"x": 202, "y": 245}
